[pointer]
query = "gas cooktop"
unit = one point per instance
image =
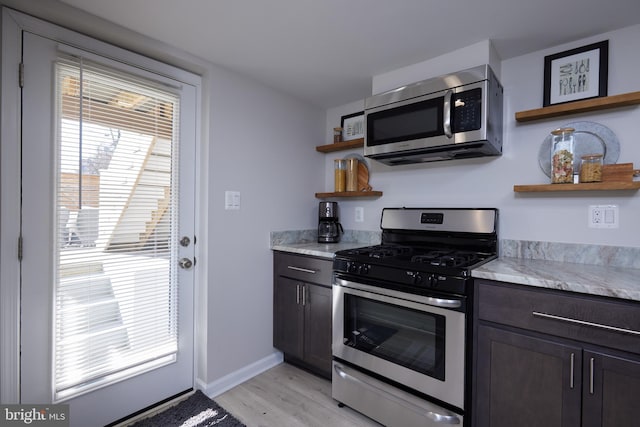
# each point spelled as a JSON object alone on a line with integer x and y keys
{"x": 424, "y": 248}
{"x": 414, "y": 256}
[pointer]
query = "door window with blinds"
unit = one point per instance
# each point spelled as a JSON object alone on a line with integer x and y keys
{"x": 115, "y": 304}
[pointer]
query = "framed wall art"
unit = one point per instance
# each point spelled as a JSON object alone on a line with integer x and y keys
{"x": 352, "y": 126}
{"x": 576, "y": 74}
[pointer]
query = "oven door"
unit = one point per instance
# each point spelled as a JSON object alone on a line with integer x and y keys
{"x": 411, "y": 339}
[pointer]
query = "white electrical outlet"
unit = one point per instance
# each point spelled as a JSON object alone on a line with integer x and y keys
{"x": 603, "y": 216}
{"x": 359, "y": 216}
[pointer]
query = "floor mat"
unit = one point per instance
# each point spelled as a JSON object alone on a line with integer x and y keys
{"x": 196, "y": 411}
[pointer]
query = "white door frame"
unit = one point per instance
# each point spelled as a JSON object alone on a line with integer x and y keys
{"x": 10, "y": 136}
{"x": 13, "y": 23}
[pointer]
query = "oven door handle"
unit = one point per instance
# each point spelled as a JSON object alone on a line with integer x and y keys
{"x": 434, "y": 416}
{"x": 441, "y": 302}
{"x": 422, "y": 299}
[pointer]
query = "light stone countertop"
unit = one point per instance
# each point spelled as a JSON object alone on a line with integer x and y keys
{"x": 323, "y": 250}
{"x": 609, "y": 281}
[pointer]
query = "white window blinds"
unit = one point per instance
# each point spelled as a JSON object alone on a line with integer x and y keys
{"x": 115, "y": 311}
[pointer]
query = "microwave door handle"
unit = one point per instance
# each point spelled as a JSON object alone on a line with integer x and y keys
{"x": 447, "y": 113}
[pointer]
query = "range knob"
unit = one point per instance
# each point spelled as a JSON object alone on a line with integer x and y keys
{"x": 434, "y": 281}
{"x": 417, "y": 278}
{"x": 352, "y": 267}
{"x": 364, "y": 269}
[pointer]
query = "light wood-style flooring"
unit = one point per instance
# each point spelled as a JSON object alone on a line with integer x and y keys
{"x": 286, "y": 396}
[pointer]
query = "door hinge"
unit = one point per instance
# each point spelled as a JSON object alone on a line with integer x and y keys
{"x": 21, "y": 74}
{"x": 20, "y": 248}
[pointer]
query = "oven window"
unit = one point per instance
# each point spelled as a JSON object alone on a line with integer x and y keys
{"x": 407, "y": 337}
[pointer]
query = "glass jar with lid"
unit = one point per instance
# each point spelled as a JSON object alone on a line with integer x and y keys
{"x": 562, "y": 165}
{"x": 591, "y": 168}
{"x": 337, "y": 135}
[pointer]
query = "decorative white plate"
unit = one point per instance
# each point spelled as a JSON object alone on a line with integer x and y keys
{"x": 589, "y": 138}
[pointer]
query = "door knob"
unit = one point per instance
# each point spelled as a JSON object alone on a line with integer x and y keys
{"x": 184, "y": 242}
{"x": 185, "y": 263}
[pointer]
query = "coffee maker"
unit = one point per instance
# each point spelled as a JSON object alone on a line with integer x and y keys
{"x": 329, "y": 228}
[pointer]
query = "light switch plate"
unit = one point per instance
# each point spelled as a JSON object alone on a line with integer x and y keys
{"x": 359, "y": 215}
{"x": 232, "y": 200}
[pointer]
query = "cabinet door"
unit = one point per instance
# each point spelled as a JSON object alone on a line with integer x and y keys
{"x": 288, "y": 316}
{"x": 526, "y": 381}
{"x": 611, "y": 390}
{"x": 317, "y": 333}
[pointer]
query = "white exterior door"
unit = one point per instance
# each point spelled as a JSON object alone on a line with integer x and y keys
{"x": 108, "y": 184}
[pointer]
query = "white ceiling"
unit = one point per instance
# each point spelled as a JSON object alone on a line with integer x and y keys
{"x": 326, "y": 51}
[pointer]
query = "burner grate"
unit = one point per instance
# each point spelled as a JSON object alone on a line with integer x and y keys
{"x": 447, "y": 258}
{"x": 387, "y": 251}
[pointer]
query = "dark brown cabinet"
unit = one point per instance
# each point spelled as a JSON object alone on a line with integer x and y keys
{"x": 548, "y": 358}
{"x": 612, "y": 398}
{"x": 302, "y": 311}
{"x": 525, "y": 381}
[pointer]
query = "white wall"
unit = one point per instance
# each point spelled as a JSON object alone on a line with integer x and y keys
{"x": 488, "y": 182}
{"x": 477, "y": 54}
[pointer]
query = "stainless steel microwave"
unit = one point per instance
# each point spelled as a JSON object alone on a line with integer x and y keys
{"x": 453, "y": 116}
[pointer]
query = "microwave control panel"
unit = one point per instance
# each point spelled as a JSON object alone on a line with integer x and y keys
{"x": 467, "y": 110}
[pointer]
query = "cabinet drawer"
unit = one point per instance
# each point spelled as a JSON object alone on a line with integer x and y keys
{"x": 304, "y": 268}
{"x": 600, "y": 321}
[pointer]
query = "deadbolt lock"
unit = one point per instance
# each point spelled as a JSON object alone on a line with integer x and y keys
{"x": 185, "y": 263}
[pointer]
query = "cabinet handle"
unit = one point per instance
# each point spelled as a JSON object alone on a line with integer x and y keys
{"x": 585, "y": 323}
{"x": 304, "y": 295}
{"x": 297, "y": 294}
{"x": 591, "y": 375}
{"x": 304, "y": 270}
{"x": 573, "y": 357}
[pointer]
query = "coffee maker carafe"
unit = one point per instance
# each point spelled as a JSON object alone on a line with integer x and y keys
{"x": 329, "y": 227}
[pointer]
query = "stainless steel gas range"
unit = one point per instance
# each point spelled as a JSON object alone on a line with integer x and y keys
{"x": 402, "y": 316}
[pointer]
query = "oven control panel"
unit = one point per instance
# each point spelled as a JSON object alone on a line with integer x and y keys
{"x": 406, "y": 278}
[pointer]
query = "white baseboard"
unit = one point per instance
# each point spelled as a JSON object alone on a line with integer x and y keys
{"x": 233, "y": 379}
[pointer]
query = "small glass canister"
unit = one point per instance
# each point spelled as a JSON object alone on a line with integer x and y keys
{"x": 337, "y": 135}
{"x": 591, "y": 168}
{"x": 562, "y": 156}
{"x": 340, "y": 175}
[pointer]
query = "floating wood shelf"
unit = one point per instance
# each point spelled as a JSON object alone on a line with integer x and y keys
{"x": 594, "y": 104}
{"x": 339, "y": 146}
{"x": 349, "y": 194}
{"x": 587, "y": 186}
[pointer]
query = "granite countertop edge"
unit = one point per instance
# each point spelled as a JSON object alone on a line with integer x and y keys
{"x": 322, "y": 250}
{"x": 305, "y": 242}
{"x": 601, "y": 280}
